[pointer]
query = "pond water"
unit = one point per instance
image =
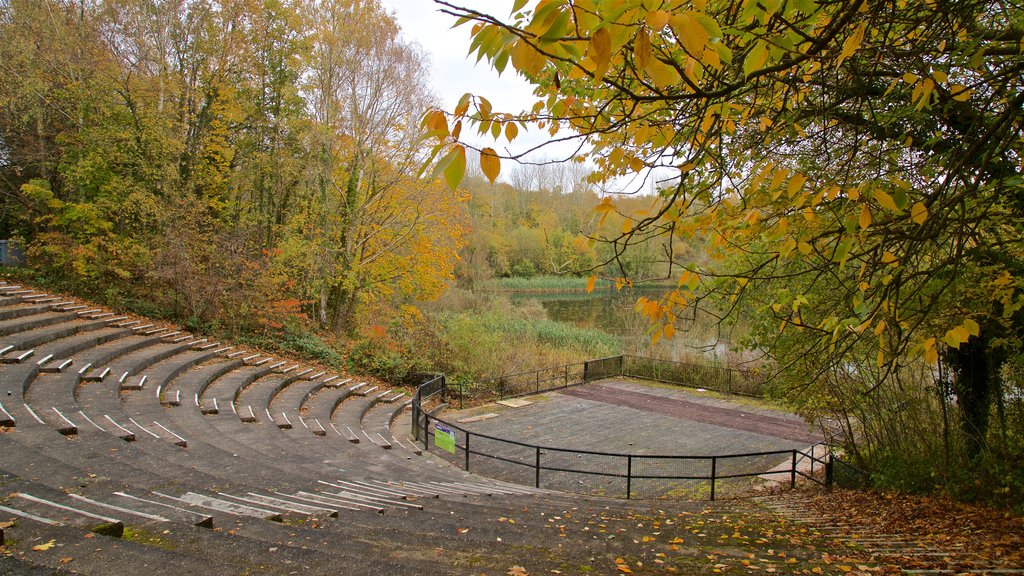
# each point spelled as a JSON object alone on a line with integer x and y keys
{"x": 611, "y": 312}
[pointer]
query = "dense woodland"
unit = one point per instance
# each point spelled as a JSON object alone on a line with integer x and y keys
{"x": 837, "y": 186}
{"x": 253, "y": 168}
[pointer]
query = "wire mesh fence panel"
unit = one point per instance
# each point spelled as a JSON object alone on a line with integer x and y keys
{"x": 583, "y": 483}
{"x": 747, "y": 383}
{"x": 846, "y": 475}
{"x": 602, "y": 368}
{"x": 672, "y": 467}
{"x": 581, "y": 461}
{"x": 670, "y": 489}
{"x": 692, "y": 375}
{"x": 758, "y": 464}
{"x": 502, "y": 460}
{"x": 523, "y": 383}
{"x": 677, "y": 477}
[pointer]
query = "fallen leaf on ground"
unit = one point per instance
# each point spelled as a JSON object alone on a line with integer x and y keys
{"x": 42, "y": 547}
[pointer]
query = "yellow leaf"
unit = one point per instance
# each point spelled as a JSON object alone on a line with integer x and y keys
{"x": 931, "y": 355}
{"x": 690, "y": 32}
{"x": 490, "y": 164}
{"x": 880, "y": 328}
{"x": 590, "y": 283}
{"x": 972, "y": 327}
{"x": 511, "y": 131}
{"x": 910, "y": 78}
{"x": 43, "y": 547}
{"x": 642, "y": 49}
{"x": 787, "y": 247}
{"x": 953, "y": 338}
{"x": 853, "y": 193}
{"x": 796, "y": 183}
{"x": 886, "y": 201}
{"x": 657, "y": 19}
{"x": 605, "y": 205}
{"x": 623, "y": 568}
{"x": 662, "y": 74}
{"x": 865, "y": 216}
{"x": 600, "y": 47}
{"x": 670, "y": 331}
{"x": 852, "y": 44}
{"x": 960, "y": 92}
{"x": 919, "y": 213}
{"x": 889, "y": 257}
{"x": 526, "y": 59}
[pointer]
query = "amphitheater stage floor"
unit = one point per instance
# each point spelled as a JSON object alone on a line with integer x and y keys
{"x": 624, "y": 416}
{"x": 632, "y": 416}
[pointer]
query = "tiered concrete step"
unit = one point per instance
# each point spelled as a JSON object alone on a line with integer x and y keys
{"x": 34, "y": 321}
{"x": 378, "y": 420}
{"x": 254, "y": 400}
{"x": 350, "y": 416}
{"x": 191, "y": 385}
{"x": 222, "y": 393}
{"x": 284, "y": 406}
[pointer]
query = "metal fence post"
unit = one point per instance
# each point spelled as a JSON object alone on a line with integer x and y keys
{"x": 426, "y": 432}
{"x": 714, "y": 474}
{"x": 792, "y": 473}
{"x": 828, "y": 471}
{"x": 416, "y": 416}
{"x": 467, "y": 449}
{"x": 536, "y": 480}
{"x": 629, "y": 475}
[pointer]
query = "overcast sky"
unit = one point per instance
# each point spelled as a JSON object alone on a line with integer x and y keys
{"x": 454, "y": 73}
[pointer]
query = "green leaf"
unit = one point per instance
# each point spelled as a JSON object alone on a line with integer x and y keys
{"x": 455, "y": 166}
{"x": 756, "y": 59}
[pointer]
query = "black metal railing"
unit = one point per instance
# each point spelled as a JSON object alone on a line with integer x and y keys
{"x": 599, "y": 472}
{"x": 609, "y": 472}
{"x": 434, "y": 386}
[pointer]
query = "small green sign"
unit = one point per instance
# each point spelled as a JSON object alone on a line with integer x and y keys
{"x": 444, "y": 437}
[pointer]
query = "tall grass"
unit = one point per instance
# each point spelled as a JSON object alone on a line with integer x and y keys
{"x": 544, "y": 283}
{"x": 488, "y": 335}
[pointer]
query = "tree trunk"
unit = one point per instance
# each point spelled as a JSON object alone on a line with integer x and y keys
{"x": 972, "y": 370}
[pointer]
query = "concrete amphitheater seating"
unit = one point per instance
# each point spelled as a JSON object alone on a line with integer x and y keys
{"x": 232, "y": 462}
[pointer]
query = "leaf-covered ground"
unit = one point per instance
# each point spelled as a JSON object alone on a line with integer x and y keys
{"x": 916, "y": 532}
